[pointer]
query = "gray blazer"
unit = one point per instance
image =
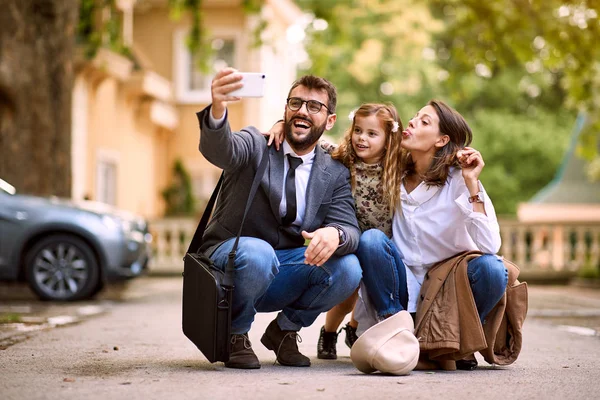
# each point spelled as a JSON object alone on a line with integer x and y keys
{"x": 329, "y": 199}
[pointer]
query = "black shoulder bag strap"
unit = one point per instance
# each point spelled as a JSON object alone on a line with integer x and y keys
{"x": 197, "y": 238}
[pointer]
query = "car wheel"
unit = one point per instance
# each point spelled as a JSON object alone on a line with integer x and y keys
{"x": 62, "y": 267}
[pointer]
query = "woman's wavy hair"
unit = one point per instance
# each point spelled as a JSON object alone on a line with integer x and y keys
{"x": 391, "y": 157}
{"x": 454, "y": 125}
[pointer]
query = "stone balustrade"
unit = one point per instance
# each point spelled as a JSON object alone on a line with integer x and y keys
{"x": 171, "y": 238}
{"x": 547, "y": 249}
{"x": 541, "y": 250}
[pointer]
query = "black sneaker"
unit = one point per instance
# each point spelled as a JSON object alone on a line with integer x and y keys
{"x": 468, "y": 363}
{"x": 326, "y": 346}
{"x": 350, "y": 335}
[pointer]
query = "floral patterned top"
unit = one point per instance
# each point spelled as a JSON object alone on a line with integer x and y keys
{"x": 372, "y": 211}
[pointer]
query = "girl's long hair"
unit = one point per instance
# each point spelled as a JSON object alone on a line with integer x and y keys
{"x": 391, "y": 157}
{"x": 454, "y": 125}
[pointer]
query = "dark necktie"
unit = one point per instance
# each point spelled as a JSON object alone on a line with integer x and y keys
{"x": 290, "y": 190}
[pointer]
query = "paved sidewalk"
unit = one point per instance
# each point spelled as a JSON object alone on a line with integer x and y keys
{"x": 566, "y": 306}
{"x": 137, "y": 351}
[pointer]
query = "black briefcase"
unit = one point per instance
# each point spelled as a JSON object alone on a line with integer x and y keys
{"x": 208, "y": 291}
{"x": 206, "y": 307}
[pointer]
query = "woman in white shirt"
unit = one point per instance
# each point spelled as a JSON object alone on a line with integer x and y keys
{"x": 444, "y": 210}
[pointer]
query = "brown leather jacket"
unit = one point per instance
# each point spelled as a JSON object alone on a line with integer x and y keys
{"x": 447, "y": 322}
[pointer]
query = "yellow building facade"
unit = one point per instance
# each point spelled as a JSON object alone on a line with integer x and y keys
{"x": 133, "y": 118}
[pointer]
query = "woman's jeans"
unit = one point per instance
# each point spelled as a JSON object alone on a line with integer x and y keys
{"x": 268, "y": 280}
{"x": 384, "y": 276}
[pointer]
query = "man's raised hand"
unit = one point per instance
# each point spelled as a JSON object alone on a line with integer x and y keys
{"x": 225, "y": 81}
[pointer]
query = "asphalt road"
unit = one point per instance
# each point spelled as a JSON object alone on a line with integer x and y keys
{"x": 129, "y": 345}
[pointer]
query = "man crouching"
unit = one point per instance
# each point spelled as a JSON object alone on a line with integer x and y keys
{"x": 304, "y": 195}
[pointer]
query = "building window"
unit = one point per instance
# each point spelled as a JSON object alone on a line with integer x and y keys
{"x": 106, "y": 180}
{"x": 193, "y": 86}
{"x": 224, "y": 54}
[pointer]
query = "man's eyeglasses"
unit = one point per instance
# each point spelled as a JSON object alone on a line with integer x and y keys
{"x": 312, "y": 106}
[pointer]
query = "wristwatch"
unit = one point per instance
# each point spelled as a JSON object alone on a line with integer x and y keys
{"x": 478, "y": 198}
{"x": 341, "y": 234}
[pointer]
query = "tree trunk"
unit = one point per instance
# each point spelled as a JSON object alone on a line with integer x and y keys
{"x": 37, "y": 39}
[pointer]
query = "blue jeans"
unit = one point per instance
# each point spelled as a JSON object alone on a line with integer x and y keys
{"x": 384, "y": 275}
{"x": 488, "y": 278}
{"x": 268, "y": 280}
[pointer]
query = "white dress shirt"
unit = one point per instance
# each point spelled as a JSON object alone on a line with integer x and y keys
{"x": 436, "y": 223}
{"x": 301, "y": 178}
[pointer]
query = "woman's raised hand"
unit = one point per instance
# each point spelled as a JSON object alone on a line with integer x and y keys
{"x": 471, "y": 163}
{"x": 276, "y": 134}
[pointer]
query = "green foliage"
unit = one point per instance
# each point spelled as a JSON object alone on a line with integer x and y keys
{"x": 113, "y": 29}
{"x": 372, "y": 52}
{"x": 407, "y": 52}
{"x": 10, "y": 318}
{"x": 86, "y": 32}
{"x": 521, "y": 152}
{"x": 90, "y": 35}
{"x": 589, "y": 272}
{"x": 252, "y": 6}
{"x": 197, "y": 40}
{"x": 178, "y": 196}
{"x": 552, "y": 44}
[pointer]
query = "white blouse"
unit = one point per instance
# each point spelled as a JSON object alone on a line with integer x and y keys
{"x": 436, "y": 223}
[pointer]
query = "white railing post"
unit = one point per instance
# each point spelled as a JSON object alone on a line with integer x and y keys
{"x": 595, "y": 246}
{"x": 172, "y": 237}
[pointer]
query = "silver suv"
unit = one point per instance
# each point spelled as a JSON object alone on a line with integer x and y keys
{"x": 67, "y": 251}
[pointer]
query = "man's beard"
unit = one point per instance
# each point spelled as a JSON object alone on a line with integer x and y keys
{"x": 304, "y": 143}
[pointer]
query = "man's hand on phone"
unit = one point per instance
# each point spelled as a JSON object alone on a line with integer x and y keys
{"x": 226, "y": 81}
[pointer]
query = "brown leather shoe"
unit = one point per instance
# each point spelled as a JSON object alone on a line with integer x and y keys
{"x": 283, "y": 343}
{"x": 241, "y": 354}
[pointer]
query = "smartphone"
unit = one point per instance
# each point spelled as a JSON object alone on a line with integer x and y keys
{"x": 254, "y": 85}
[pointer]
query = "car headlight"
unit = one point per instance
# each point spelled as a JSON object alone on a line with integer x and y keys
{"x": 113, "y": 222}
{"x": 136, "y": 236}
{"x": 127, "y": 226}
{"x": 141, "y": 224}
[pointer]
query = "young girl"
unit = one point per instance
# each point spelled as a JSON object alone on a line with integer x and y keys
{"x": 444, "y": 211}
{"x": 371, "y": 151}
